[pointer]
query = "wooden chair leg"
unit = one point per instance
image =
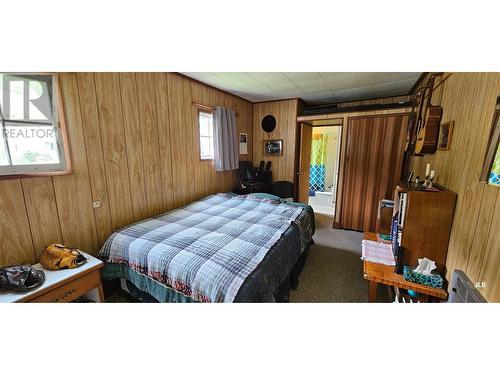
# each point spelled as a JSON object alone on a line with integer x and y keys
{"x": 372, "y": 291}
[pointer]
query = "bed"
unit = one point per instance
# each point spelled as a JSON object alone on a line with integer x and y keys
{"x": 222, "y": 248}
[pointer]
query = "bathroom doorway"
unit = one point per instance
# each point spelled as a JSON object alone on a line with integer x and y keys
{"x": 324, "y": 168}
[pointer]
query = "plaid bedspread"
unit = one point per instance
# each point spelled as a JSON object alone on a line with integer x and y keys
{"x": 206, "y": 249}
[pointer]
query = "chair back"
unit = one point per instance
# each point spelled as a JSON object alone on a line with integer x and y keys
{"x": 283, "y": 189}
{"x": 246, "y": 172}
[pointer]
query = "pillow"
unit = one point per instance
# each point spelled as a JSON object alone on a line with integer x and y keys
{"x": 265, "y": 196}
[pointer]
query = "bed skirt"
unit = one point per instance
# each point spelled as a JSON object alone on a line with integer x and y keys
{"x": 145, "y": 289}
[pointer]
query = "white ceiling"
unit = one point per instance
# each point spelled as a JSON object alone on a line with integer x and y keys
{"x": 313, "y": 88}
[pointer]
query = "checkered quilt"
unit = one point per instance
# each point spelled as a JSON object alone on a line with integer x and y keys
{"x": 204, "y": 250}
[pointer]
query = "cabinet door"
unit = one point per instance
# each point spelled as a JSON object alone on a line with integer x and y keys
{"x": 375, "y": 147}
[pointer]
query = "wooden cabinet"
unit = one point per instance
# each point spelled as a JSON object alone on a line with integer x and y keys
{"x": 426, "y": 218}
{"x": 64, "y": 285}
{"x": 378, "y": 273}
{"x": 72, "y": 289}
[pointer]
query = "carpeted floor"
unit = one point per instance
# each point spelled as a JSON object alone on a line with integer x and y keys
{"x": 334, "y": 271}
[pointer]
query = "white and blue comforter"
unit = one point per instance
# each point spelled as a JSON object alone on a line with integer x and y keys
{"x": 207, "y": 249}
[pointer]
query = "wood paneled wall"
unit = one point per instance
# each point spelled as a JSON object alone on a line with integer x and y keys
{"x": 135, "y": 148}
{"x": 469, "y": 99}
{"x": 284, "y": 167}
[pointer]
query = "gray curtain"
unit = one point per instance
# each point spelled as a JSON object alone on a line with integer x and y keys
{"x": 226, "y": 143}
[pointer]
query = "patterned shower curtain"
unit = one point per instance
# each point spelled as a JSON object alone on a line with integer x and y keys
{"x": 318, "y": 159}
{"x": 494, "y": 177}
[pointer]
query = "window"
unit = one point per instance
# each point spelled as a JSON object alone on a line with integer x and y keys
{"x": 31, "y": 139}
{"x": 206, "y": 135}
{"x": 491, "y": 165}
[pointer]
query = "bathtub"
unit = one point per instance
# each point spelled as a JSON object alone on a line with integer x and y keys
{"x": 324, "y": 198}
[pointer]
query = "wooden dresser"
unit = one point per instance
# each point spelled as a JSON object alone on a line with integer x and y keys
{"x": 427, "y": 218}
{"x": 64, "y": 285}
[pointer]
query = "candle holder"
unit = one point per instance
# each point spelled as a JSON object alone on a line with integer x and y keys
{"x": 431, "y": 179}
{"x": 427, "y": 181}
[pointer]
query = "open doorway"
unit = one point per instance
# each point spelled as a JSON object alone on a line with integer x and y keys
{"x": 323, "y": 169}
{"x": 319, "y": 160}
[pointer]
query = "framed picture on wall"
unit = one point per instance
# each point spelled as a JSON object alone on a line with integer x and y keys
{"x": 243, "y": 144}
{"x": 445, "y": 134}
{"x": 273, "y": 147}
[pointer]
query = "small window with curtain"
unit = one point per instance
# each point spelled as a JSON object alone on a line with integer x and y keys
{"x": 206, "y": 124}
{"x": 31, "y": 141}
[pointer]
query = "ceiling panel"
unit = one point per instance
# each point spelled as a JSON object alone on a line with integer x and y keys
{"x": 278, "y": 83}
{"x": 344, "y": 94}
{"x": 306, "y": 81}
{"x": 312, "y": 87}
{"x": 365, "y": 92}
{"x": 340, "y": 81}
{"x": 403, "y": 76}
{"x": 367, "y": 79}
{"x": 269, "y": 79}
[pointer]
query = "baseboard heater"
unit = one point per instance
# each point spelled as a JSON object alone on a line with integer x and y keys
{"x": 463, "y": 290}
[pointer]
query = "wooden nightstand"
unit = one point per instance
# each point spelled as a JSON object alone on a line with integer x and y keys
{"x": 64, "y": 285}
{"x": 377, "y": 273}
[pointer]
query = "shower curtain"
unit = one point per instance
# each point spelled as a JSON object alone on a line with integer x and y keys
{"x": 494, "y": 178}
{"x": 318, "y": 159}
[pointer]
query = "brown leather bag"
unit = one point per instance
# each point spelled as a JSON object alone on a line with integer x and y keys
{"x": 56, "y": 257}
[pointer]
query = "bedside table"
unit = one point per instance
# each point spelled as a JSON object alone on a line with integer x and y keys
{"x": 377, "y": 273}
{"x": 64, "y": 285}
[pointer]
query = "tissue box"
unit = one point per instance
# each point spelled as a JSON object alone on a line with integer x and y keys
{"x": 433, "y": 280}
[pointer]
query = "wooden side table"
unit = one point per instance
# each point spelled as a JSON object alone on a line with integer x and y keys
{"x": 64, "y": 285}
{"x": 377, "y": 273}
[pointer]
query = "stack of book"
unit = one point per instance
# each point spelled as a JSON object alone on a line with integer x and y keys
{"x": 397, "y": 250}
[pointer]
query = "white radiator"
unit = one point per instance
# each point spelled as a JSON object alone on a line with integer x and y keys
{"x": 463, "y": 290}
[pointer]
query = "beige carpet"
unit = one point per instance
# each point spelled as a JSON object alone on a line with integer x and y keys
{"x": 334, "y": 271}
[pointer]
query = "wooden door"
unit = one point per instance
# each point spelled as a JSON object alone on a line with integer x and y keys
{"x": 304, "y": 162}
{"x": 375, "y": 147}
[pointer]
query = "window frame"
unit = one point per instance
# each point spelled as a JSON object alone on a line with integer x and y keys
{"x": 200, "y": 111}
{"x": 64, "y": 167}
{"x": 493, "y": 144}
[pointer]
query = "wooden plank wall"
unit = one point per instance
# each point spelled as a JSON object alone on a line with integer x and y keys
{"x": 469, "y": 99}
{"x": 285, "y": 112}
{"x": 134, "y": 147}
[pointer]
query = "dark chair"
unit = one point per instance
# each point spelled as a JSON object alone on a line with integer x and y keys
{"x": 283, "y": 189}
{"x": 246, "y": 172}
{"x": 250, "y": 180}
{"x": 265, "y": 175}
